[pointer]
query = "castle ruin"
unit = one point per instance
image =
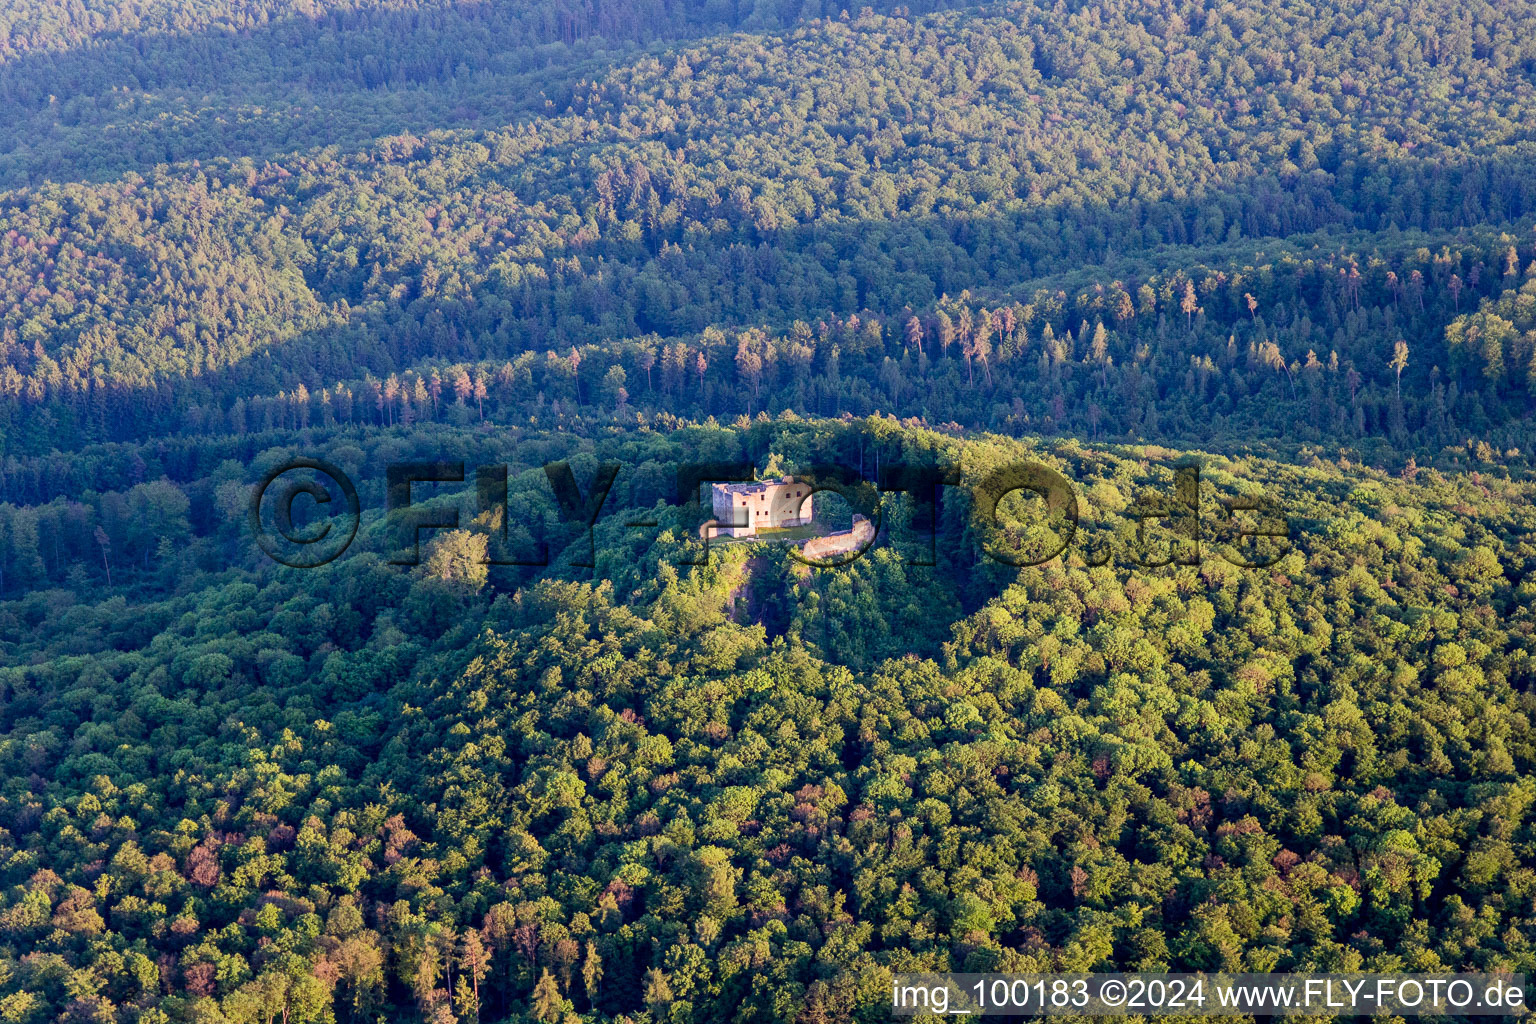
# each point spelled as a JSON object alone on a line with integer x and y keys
{"x": 743, "y": 509}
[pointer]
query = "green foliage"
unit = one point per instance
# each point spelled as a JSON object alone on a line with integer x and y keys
{"x": 647, "y": 792}
{"x": 1290, "y": 242}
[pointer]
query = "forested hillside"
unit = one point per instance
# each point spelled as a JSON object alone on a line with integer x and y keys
{"x": 1294, "y": 245}
{"x": 1150, "y": 206}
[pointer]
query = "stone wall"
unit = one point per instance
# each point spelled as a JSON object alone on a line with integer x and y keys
{"x": 834, "y": 544}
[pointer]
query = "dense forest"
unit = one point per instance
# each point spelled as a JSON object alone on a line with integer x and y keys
{"x": 1288, "y": 246}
